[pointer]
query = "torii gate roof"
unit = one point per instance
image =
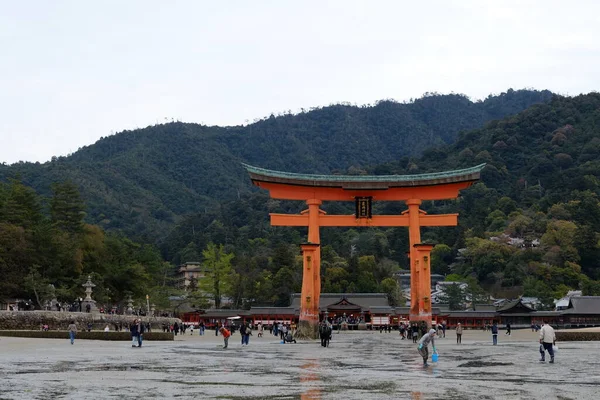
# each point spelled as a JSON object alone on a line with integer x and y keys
{"x": 363, "y": 182}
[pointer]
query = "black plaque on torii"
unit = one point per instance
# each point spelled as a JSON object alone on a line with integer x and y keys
{"x": 363, "y": 206}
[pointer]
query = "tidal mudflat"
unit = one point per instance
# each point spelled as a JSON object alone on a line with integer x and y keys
{"x": 357, "y": 365}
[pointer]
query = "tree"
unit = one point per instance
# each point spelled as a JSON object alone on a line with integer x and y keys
{"x": 474, "y": 293}
{"x": 440, "y": 258}
{"x": 20, "y": 205}
{"x": 189, "y": 253}
{"x": 487, "y": 258}
{"x": 217, "y": 281}
{"x": 335, "y": 280}
{"x": 559, "y": 242}
{"x": 198, "y": 300}
{"x": 454, "y": 296}
{"x": 14, "y": 259}
{"x": 541, "y": 290}
{"x": 67, "y": 208}
{"x": 283, "y": 287}
{"x": 389, "y": 286}
{"x": 591, "y": 288}
{"x": 40, "y": 287}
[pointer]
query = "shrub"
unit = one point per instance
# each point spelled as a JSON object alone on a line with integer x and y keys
{"x": 577, "y": 336}
{"x": 94, "y": 335}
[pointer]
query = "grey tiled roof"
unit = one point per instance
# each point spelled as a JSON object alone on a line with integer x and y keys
{"x": 584, "y": 305}
{"x": 224, "y": 313}
{"x": 374, "y": 181}
{"x": 515, "y": 305}
{"x": 365, "y": 300}
{"x": 273, "y": 310}
{"x": 472, "y": 314}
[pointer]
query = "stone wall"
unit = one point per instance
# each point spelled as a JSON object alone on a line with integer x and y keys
{"x": 56, "y": 320}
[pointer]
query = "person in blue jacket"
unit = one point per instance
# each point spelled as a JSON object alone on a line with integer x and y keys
{"x": 495, "y": 333}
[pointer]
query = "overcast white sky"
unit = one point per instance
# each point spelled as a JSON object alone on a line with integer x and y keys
{"x": 73, "y": 71}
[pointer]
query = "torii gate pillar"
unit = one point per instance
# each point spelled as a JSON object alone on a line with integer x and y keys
{"x": 308, "y": 324}
{"x": 420, "y": 303}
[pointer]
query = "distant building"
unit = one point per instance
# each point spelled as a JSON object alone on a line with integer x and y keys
{"x": 403, "y": 279}
{"x": 189, "y": 274}
{"x": 373, "y": 310}
{"x": 10, "y": 304}
{"x": 532, "y": 302}
{"x": 516, "y": 242}
{"x": 500, "y": 302}
{"x": 563, "y": 303}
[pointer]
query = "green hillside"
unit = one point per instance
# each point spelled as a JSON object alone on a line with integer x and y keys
{"x": 531, "y": 226}
{"x": 538, "y": 197}
{"x": 141, "y": 182}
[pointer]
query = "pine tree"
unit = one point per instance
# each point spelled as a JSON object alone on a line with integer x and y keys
{"x": 67, "y": 208}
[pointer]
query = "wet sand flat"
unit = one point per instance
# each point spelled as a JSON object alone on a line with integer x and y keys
{"x": 357, "y": 365}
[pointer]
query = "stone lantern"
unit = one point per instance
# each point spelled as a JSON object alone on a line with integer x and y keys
{"x": 129, "y": 309}
{"x": 88, "y": 304}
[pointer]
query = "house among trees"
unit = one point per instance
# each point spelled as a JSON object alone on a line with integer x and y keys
{"x": 563, "y": 303}
{"x": 189, "y": 274}
{"x": 403, "y": 279}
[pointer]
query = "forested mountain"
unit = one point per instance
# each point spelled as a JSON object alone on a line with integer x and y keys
{"x": 531, "y": 226}
{"x": 141, "y": 182}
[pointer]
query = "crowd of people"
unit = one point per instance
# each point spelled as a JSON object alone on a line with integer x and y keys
{"x": 420, "y": 333}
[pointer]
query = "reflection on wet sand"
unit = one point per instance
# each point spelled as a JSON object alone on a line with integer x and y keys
{"x": 309, "y": 377}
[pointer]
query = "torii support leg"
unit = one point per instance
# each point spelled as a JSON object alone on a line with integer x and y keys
{"x": 308, "y": 325}
{"x": 420, "y": 273}
{"x": 414, "y": 235}
{"x": 423, "y": 252}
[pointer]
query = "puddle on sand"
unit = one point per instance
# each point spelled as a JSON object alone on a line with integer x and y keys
{"x": 479, "y": 364}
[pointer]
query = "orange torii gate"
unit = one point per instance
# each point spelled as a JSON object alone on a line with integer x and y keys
{"x": 363, "y": 190}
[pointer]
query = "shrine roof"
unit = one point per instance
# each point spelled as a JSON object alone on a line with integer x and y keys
{"x": 365, "y": 300}
{"x": 583, "y": 305}
{"x": 364, "y": 181}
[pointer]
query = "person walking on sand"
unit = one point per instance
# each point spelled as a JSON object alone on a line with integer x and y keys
{"x": 325, "y": 333}
{"x": 72, "y": 331}
{"x": 507, "y": 329}
{"x": 547, "y": 340}
{"x": 243, "y": 333}
{"x": 423, "y": 349}
{"x": 459, "y": 332}
{"x": 260, "y": 330}
{"x": 414, "y": 332}
{"x": 133, "y": 330}
{"x": 225, "y": 332}
{"x": 495, "y": 333}
{"x": 140, "y": 330}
